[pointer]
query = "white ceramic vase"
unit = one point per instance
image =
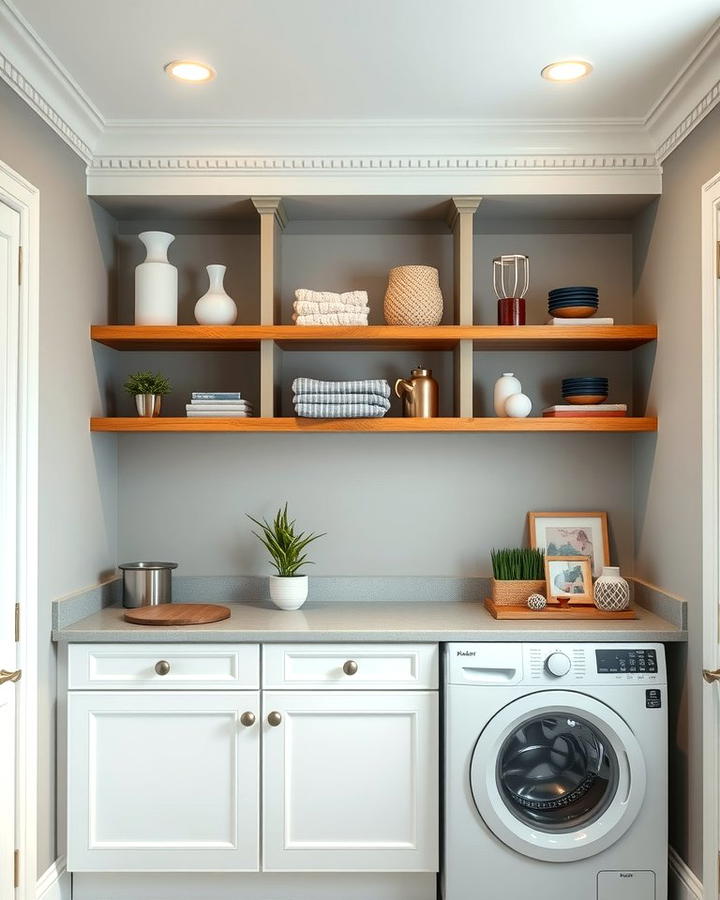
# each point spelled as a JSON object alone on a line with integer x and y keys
{"x": 216, "y": 307}
{"x": 505, "y": 387}
{"x": 156, "y": 282}
{"x": 288, "y": 592}
{"x": 612, "y": 592}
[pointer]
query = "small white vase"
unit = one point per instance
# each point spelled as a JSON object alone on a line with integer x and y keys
{"x": 518, "y": 406}
{"x": 288, "y": 592}
{"x": 156, "y": 282}
{"x": 612, "y": 592}
{"x": 216, "y": 307}
{"x": 505, "y": 387}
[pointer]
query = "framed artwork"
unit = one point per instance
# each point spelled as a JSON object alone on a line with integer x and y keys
{"x": 569, "y": 579}
{"x": 572, "y": 534}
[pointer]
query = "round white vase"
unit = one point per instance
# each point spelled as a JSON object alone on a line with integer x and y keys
{"x": 612, "y": 592}
{"x": 156, "y": 282}
{"x": 288, "y": 592}
{"x": 505, "y": 387}
{"x": 518, "y": 406}
{"x": 216, "y": 307}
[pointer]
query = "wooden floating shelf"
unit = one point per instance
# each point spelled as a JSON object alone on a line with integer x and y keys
{"x": 373, "y": 337}
{"x": 136, "y": 425}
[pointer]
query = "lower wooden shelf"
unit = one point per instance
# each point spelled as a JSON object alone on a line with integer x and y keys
{"x": 388, "y": 425}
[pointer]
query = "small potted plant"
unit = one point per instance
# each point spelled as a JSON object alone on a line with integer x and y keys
{"x": 518, "y": 572}
{"x": 286, "y": 547}
{"x": 148, "y": 390}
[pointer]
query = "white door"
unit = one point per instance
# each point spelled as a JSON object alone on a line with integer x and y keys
{"x": 9, "y": 298}
{"x": 350, "y": 781}
{"x": 163, "y": 781}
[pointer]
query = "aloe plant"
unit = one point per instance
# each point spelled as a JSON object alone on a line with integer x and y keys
{"x": 285, "y": 545}
{"x": 518, "y": 564}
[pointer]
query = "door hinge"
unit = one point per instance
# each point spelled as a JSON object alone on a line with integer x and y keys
{"x": 20, "y": 264}
{"x": 17, "y": 623}
{"x": 16, "y": 868}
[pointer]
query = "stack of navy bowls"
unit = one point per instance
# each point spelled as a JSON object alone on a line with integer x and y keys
{"x": 584, "y": 390}
{"x": 573, "y": 302}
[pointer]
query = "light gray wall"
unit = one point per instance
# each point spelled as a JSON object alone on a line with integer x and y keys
{"x": 667, "y": 466}
{"x": 78, "y": 472}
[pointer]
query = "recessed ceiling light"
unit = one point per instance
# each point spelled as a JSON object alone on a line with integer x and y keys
{"x": 190, "y": 71}
{"x": 567, "y": 70}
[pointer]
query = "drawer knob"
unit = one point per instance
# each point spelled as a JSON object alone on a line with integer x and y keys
{"x": 350, "y": 667}
{"x": 274, "y": 719}
{"x": 247, "y": 719}
{"x": 162, "y": 667}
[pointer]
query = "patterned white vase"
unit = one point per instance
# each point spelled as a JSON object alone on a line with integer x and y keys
{"x": 612, "y": 592}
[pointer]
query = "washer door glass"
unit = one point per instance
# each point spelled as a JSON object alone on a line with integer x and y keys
{"x": 557, "y": 775}
{"x": 557, "y": 772}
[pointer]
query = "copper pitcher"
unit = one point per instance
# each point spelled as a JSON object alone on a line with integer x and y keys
{"x": 419, "y": 394}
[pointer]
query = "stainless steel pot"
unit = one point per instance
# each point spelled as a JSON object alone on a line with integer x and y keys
{"x": 147, "y": 583}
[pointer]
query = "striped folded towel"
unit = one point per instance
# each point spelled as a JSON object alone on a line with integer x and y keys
{"x": 338, "y": 410}
{"x": 341, "y": 318}
{"x": 355, "y": 299}
{"x": 371, "y": 399}
{"x": 315, "y": 386}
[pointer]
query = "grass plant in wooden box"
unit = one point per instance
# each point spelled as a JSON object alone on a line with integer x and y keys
{"x": 517, "y": 573}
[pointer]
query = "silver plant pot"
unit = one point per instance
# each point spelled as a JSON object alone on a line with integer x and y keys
{"x": 147, "y": 583}
{"x": 148, "y": 405}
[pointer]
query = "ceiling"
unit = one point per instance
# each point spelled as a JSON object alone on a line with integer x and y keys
{"x": 280, "y": 60}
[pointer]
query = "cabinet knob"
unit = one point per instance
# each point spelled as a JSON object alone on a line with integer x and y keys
{"x": 350, "y": 667}
{"x": 274, "y": 719}
{"x": 247, "y": 719}
{"x": 162, "y": 667}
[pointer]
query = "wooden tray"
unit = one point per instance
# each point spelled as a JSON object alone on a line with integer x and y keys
{"x": 498, "y": 611}
{"x": 178, "y": 614}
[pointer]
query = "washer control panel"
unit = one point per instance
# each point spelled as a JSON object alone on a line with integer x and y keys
{"x": 626, "y": 661}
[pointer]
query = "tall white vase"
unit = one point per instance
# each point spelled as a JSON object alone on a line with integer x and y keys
{"x": 505, "y": 387}
{"x": 156, "y": 282}
{"x": 216, "y": 307}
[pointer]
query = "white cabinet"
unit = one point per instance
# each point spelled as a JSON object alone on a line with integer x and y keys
{"x": 163, "y": 781}
{"x": 350, "y": 781}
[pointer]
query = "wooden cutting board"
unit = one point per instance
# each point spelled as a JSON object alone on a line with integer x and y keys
{"x": 178, "y": 614}
{"x": 555, "y": 612}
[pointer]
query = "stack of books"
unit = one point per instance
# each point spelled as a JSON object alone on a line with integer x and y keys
{"x": 586, "y": 410}
{"x": 218, "y": 403}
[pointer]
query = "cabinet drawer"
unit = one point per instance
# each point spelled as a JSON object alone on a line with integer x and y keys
{"x": 201, "y": 666}
{"x": 350, "y": 666}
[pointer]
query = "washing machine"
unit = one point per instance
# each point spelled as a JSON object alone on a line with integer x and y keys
{"x": 555, "y": 772}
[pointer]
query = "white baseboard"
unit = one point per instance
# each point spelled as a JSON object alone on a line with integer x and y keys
{"x": 54, "y": 883}
{"x": 684, "y": 883}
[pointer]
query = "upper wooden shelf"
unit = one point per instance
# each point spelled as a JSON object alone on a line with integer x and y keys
{"x": 386, "y": 425}
{"x": 373, "y": 337}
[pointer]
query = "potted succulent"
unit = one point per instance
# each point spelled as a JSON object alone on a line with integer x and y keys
{"x": 148, "y": 390}
{"x": 286, "y": 546}
{"x": 518, "y": 572}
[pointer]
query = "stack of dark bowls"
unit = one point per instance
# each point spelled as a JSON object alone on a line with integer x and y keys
{"x": 573, "y": 302}
{"x": 585, "y": 390}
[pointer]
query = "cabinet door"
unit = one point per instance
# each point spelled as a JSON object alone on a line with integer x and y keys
{"x": 162, "y": 781}
{"x": 350, "y": 781}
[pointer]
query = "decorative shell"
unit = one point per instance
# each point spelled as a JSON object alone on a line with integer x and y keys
{"x": 536, "y": 601}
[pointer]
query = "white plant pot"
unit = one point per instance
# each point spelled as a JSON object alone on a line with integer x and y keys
{"x": 288, "y": 593}
{"x": 216, "y": 307}
{"x": 156, "y": 282}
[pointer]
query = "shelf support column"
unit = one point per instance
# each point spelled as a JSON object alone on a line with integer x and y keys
{"x": 460, "y": 220}
{"x": 272, "y": 223}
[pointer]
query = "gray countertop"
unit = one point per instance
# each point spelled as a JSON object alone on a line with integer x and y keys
{"x": 369, "y": 621}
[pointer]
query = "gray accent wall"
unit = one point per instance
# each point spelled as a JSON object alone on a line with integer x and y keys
{"x": 667, "y": 488}
{"x": 78, "y": 471}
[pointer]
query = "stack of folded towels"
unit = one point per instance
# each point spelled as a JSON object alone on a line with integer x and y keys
{"x": 326, "y": 308}
{"x": 315, "y": 399}
{"x": 226, "y": 404}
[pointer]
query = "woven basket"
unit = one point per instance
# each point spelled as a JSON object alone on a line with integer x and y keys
{"x": 413, "y": 296}
{"x": 514, "y": 593}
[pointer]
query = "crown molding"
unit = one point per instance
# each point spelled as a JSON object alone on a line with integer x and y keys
{"x": 32, "y": 71}
{"x": 691, "y": 95}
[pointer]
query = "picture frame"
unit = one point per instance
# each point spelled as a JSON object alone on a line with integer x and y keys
{"x": 569, "y": 579}
{"x": 572, "y": 534}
